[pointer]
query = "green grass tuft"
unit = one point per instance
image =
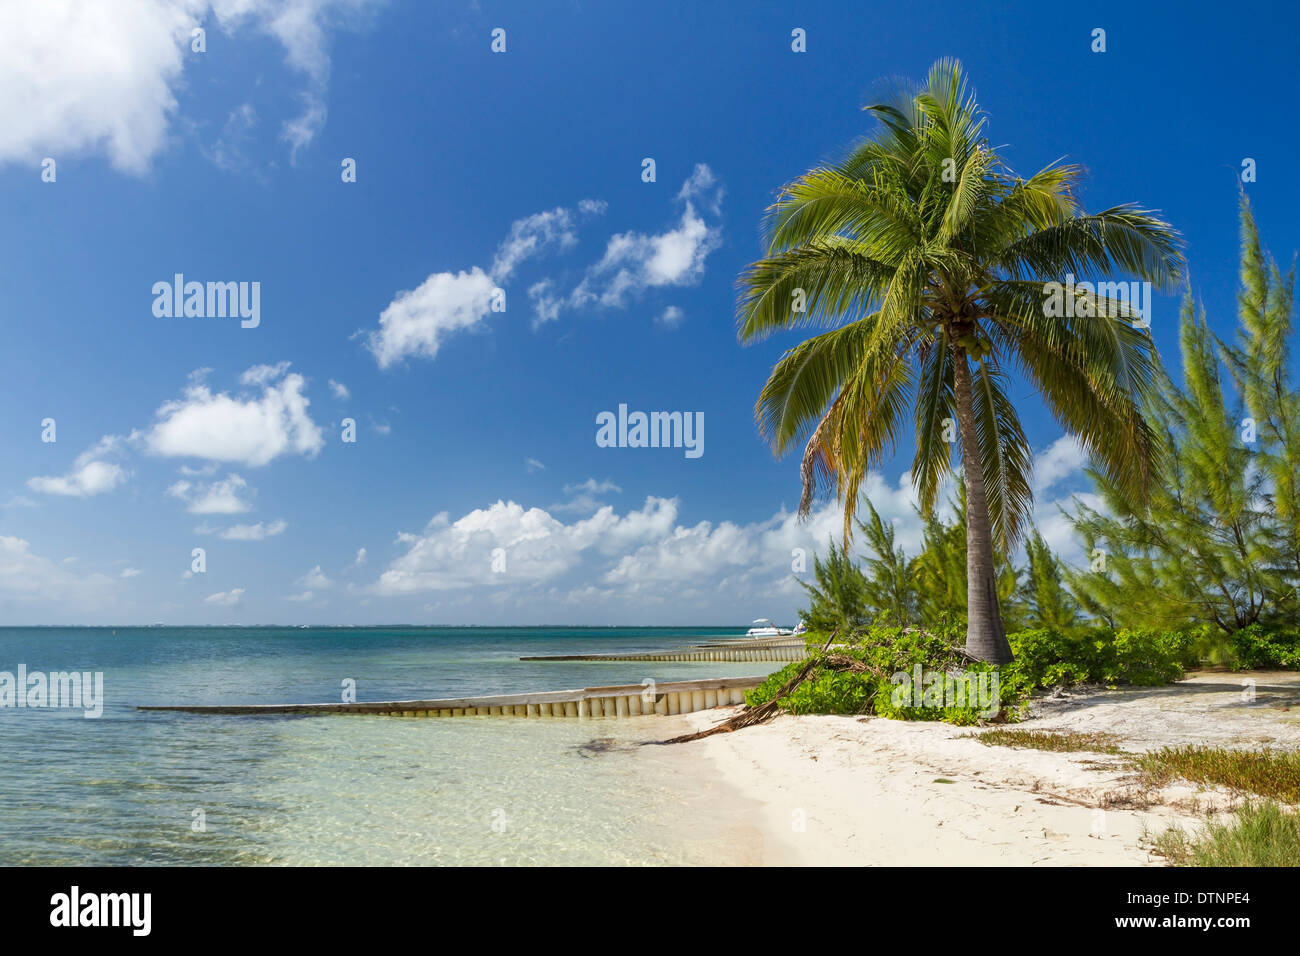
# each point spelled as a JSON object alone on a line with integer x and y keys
{"x": 1262, "y": 834}
{"x": 1065, "y": 742}
{"x": 1274, "y": 774}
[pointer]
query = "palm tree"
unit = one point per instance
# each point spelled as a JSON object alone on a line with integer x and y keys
{"x": 923, "y": 253}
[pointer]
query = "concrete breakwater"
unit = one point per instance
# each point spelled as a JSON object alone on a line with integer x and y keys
{"x": 760, "y": 649}
{"x": 622, "y": 700}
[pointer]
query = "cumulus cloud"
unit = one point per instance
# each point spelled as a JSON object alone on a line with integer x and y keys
{"x": 340, "y": 390}
{"x": 91, "y": 473}
{"x": 1062, "y": 459}
{"x": 252, "y": 429}
{"x": 610, "y": 566}
{"x": 315, "y": 579}
{"x": 31, "y": 580}
{"x": 702, "y": 186}
{"x": 415, "y": 323}
{"x": 103, "y": 77}
{"x": 229, "y": 598}
{"x": 311, "y": 582}
{"x": 1057, "y": 468}
{"x": 532, "y": 464}
{"x": 546, "y": 303}
{"x": 670, "y": 318}
{"x": 532, "y": 235}
{"x": 634, "y": 262}
{"x": 508, "y": 543}
{"x": 223, "y": 497}
{"x": 263, "y": 374}
{"x": 584, "y": 497}
{"x": 246, "y": 532}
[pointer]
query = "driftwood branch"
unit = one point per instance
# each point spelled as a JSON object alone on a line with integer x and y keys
{"x": 762, "y": 713}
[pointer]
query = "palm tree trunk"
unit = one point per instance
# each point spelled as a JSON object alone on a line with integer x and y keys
{"x": 985, "y": 636}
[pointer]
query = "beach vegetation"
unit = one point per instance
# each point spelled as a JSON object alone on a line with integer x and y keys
{"x": 1217, "y": 543}
{"x": 1274, "y": 774}
{"x": 1054, "y": 741}
{"x": 1260, "y": 834}
{"x": 862, "y": 674}
{"x": 1047, "y": 658}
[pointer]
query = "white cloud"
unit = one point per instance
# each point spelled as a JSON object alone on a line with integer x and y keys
{"x": 263, "y": 374}
{"x": 415, "y": 323}
{"x": 203, "y": 471}
{"x": 535, "y": 546}
{"x": 585, "y": 497}
{"x": 361, "y": 557}
{"x": 546, "y": 304}
{"x": 130, "y": 573}
{"x": 315, "y": 579}
{"x": 90, "y": 474}
{"x": 1064, "y": 458}
{"x": 29, "y": 579}
{"x": 229, "y": 598}
{"x": 85, "y": 77}
{"x": 311, "y": 582}
{"x": 246, "y": 532}
{"x": 340, "y": 390}
{"x": 251, "y": 430}
{"x": 90, "y": 76}
{"x": 231, "y": 149}
{"x": 531, "y": 236}
{"x": 532, "y": 464}
{"x": 216, "y": 498}
{"x": 671, "y": 317}
{"x": 592, "y": 486}
{"x": 635, "y": 262}
{"x": 702, "y": 185}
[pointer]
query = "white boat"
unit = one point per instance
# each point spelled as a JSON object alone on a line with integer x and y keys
{"x": 801, "y": 627}
{"x": 767, "y": 629}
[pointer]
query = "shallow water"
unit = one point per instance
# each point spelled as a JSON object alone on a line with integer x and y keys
{"x": 133, "y": 787}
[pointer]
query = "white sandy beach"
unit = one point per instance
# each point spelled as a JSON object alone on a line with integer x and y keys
{"x": 869, "y": 791}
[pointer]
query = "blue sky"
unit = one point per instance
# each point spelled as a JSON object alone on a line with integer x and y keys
{"x": 521, "y": 170}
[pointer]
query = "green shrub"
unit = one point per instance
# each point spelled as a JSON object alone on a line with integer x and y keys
{"x": 765, "y": 691}
{"x": 963, "y": 715}
{"x": 861, "y": 680}
{"x": 1258, "y": 649}
{"x": 1148, "y": 658}
{"x": 1263, "y": 834}
{"x": 833, "y": 692}
{"x": 1208, "y": 644}
{"x": 858, "y": 678}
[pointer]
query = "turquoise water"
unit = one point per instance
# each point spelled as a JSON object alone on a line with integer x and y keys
{"x": 131, "y": 787}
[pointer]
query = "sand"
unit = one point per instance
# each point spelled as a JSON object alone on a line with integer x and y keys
{"x": 870, "y": 791}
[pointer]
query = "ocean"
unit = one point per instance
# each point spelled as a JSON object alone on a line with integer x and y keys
{"x": 132, "y": 787}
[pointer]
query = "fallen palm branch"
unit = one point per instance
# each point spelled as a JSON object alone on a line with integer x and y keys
{"x": 764, "y": 712}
